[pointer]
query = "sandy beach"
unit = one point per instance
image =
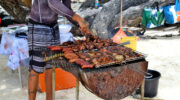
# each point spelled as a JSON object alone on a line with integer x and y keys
{"x": 163, "y": 55}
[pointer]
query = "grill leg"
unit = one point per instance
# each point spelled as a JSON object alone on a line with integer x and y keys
{"x": 142, "y": 89}
{"x": 77, "y": 88}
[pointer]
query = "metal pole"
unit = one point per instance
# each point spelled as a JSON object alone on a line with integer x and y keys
{"x": 20, "y": 76}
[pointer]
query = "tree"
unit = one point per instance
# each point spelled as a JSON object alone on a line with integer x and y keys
{"x": 16, "y": 9}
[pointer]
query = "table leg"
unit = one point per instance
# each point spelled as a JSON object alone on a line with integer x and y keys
{"x": 20, "y": 76}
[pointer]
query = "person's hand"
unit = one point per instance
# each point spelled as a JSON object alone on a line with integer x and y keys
{"x": 27, "y": 3}
{"x": 83, "y": 25}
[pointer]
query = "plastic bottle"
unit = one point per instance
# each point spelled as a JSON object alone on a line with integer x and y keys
{"x": 96, "y": 3}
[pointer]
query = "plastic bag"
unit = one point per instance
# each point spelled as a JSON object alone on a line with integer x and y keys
{"x": 170, "y": 14}
{"x": 153, "y": 17}
{"x": 65, "y": 34}
{"x": 64, "y": 37}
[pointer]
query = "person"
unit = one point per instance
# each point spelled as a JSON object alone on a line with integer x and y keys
{"x": 43, "y": 32}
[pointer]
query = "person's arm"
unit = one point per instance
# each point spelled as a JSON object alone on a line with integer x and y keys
{"x": 60, "y": 8}
{"x": 67, "y": 3}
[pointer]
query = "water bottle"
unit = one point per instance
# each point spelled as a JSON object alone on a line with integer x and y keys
{"x": 96, "y": 3}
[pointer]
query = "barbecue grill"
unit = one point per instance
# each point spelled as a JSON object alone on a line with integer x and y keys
{"x": 111, "y": 81}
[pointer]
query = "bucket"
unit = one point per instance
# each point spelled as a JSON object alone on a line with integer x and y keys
{"x": 151, "y": 83}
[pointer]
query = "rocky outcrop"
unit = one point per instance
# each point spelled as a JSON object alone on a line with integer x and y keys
{"x": 101, "y": 20}
{"x": 16, "y": 9}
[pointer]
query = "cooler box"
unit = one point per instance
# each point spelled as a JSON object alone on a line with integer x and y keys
{"x": 63, "y": 80}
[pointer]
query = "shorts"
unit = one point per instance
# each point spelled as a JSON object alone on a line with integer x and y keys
{"x": 39, "y": 38}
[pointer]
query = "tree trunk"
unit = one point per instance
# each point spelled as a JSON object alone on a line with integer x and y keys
{"x": 16, "y": 9}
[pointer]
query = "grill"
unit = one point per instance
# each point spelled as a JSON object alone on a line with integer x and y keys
{"x": 111, "y": 81}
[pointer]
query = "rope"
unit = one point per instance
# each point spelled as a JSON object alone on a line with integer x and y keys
{"x": 121, "y": 8}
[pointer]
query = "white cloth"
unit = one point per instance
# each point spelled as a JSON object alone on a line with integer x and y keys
{"x": 22, "y": 47}
{"x": 6, "y": 44}
{"x": 14, "y": 59}
{"x": 16, "y": 48}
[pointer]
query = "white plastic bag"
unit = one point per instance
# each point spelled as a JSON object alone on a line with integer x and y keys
{"x": 64, "y": 37}
{"x": 65, "y": 34}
